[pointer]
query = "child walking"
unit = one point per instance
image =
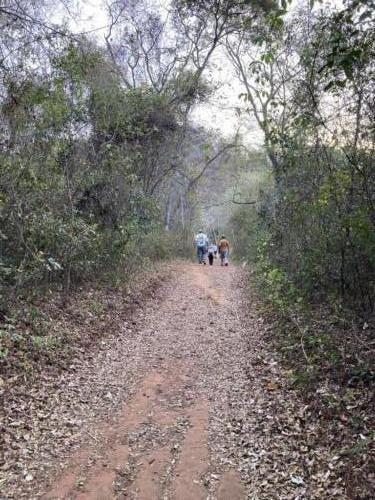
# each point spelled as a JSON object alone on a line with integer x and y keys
{"x": 211, "y": 253}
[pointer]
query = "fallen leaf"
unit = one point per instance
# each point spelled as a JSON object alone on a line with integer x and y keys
{"x": 273, "y": 386}
{"x": 298, "y": 480}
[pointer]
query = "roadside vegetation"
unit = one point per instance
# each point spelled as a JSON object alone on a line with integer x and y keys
{"x": 310, "y": 238}
{"x": 103, "y": 173}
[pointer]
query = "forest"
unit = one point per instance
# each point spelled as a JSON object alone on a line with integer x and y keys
{"x": 107, "y": 168}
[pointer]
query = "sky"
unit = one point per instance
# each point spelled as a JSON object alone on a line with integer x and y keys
{"x": 220, "y": 113}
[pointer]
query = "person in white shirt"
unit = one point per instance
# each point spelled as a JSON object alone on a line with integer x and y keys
{"x": 201, "y": 243}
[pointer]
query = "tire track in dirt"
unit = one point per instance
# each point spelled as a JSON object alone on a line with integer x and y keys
{"x": 186, "y": 401}
{"x": 86, "y": 480}
{"x": 194, "y": 458}
{"x": 158, "y": 446}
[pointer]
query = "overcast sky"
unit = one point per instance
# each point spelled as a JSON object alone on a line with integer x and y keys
{"x": 219, "y": 113}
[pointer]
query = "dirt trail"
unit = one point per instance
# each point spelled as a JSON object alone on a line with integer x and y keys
{"x": 188, "y": 404}
{"x": 158, "y": 444}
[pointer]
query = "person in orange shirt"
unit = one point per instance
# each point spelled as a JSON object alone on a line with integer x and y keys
{"x": 224, "y": 250}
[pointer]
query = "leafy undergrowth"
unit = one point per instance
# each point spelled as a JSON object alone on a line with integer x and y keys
{"x": 329, "y": 360}
{"x": 48, "y": 332}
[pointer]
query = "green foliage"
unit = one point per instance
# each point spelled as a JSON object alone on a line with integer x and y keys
{"x": 84, "y": 156}
{"x": 325, "y": 222}
{"x": 318, "y": 222}
{"x": 274, "y": 282}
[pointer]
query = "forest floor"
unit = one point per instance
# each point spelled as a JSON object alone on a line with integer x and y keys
{"x": 184, "y": 400}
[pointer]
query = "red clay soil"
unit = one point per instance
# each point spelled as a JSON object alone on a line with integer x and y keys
{"x": 185, "y": 403}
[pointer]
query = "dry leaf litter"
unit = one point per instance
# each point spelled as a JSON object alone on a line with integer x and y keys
{"x": 213, "y": 385}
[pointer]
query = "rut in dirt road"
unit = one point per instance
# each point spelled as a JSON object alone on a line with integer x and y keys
{"x": 158, "y": 446}
{"x": 185, "y": 403}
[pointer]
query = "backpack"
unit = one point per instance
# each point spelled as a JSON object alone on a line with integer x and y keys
{"x": 201, "y": 240}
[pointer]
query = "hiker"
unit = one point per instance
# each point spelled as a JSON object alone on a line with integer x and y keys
{"x": 224, "y": 250}
{"x": 201, "y": 242}
{"x": 211, "y": 253}
{"x": 215, "y": 250}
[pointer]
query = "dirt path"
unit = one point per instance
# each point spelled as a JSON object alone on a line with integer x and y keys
{"x": 158, "y": 444}
{"x": 186, "y": 403}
